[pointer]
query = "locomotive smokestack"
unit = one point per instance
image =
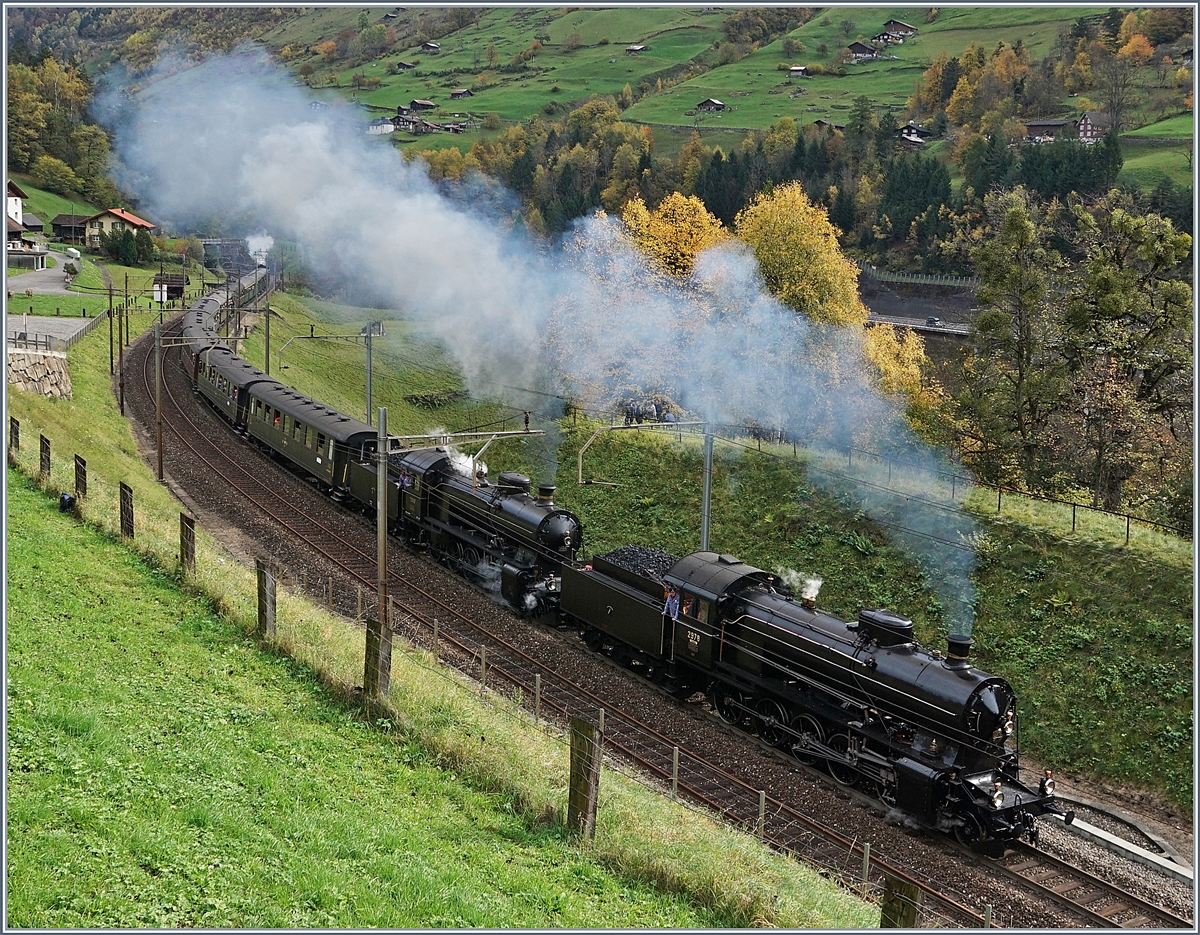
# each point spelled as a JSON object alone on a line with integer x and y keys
{"x": 959, "y": 651}
{"x": 808, "y": 596}
{"x": 546, "y": 493}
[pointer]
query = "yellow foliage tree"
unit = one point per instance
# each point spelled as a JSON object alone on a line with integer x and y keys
{"x": 673, "y": 233}
{"x": 1138, "y": 49}
{"x": 798, "y": 254}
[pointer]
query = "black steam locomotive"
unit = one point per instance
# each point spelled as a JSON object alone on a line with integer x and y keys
{"x": 928, "y": 733}
{"x": 498, "y": 535}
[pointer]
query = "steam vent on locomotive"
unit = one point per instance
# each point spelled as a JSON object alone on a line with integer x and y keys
{"x": 928, "y": 733}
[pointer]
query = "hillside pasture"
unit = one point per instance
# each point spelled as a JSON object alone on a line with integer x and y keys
{"x": 1148, "y": 162}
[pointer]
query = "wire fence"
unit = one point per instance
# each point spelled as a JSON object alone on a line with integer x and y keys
{"x": 530, "y": 694}
{"x": 924, "y": 279}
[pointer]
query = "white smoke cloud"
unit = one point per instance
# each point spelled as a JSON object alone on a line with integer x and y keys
{"x": 235, "y": 138}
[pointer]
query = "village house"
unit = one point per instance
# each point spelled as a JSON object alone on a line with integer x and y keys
{"x": 432, "y": 48}
{"x": 911, "y": 139}
{"x": 711, "y": 104}
{"x": 862, "y": 52}
{"x": 417, "y": 105}
{"x": 380, "y": 126}
{"x": 1186, "y": 58}
{"x": 461, "y": 93}
{"x": 317, "y": 105}
{"x": 635, "y": 49}
{"x": 16, "y": 207}
{"x": 113, "y": 220}
{"x": 798, "y": 71}
{"x": 887, "y": 38}
{"x": 826, "y": 125}
{"x": 897, "y": 28}
{"x": 1092, "y": 126}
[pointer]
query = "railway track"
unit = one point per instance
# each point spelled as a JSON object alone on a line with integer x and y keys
{"x": 1096, "y": 900}
{"x": 509, "y": 668}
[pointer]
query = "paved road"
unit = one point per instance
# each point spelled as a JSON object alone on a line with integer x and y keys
{"x": 58, "y": 327}
{"x": 919, "y": 324}
{"x": 42, "y": 281}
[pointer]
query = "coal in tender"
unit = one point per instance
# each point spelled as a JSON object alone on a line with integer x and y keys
{"x": 643, "y": 561}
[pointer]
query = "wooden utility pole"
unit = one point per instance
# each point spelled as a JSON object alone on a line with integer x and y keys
{"x": 158, "y": 396}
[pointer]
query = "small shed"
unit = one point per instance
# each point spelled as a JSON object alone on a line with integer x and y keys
{"x": 798, "y": 71}
{"x": 33, "y": 224}
{"x": 405, "y": 66}
{"x": 861, "y": 51}
{"x": 432, "y": 48}
{"x": 421, "y": 105}
{"x": 168, "y": 286}
{"x": 459, "y": 94}
{"x": 711, "y": 104}
{"x": 317, "y": 105}
{"x": 826, "y": 125}
{"x": 1040, "y": 130}
{"x": 635, "y": 49}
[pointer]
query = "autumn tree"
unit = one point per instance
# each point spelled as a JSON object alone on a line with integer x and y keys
{"x": 798, "y": 254}
{"x": 26, "y": 116}
{"x": 1015, "y": 380}
{"x": 673, "y": 233}
{"x": 54, "y": 175}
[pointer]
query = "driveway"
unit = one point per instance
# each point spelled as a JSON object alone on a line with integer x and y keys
{"x": 42, "y": 281}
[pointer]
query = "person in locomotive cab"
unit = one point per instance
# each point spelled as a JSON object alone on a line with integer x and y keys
{"x": 671, "y": 604}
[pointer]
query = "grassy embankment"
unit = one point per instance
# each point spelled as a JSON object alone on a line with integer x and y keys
{"x": 168, "y": 773}
{"x": 46, "y": 206}
{"x": 1081, "y": 624}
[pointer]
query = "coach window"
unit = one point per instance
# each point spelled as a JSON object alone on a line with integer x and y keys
{"x": 702, "y": 611}
{"x": 276, "y": 421}
{"x": 287, "y": 424}
{"x": 320, "y": 441}
{"x": 308, "y": 436}
{"x": 298, "y": 432}
{"x": 258, "y": 408}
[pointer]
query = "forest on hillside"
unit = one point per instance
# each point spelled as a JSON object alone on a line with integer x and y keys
{"x": 1079, "y": 377}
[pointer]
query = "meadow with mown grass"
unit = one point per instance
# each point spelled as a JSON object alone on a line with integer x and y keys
{"x": 166, "y": 770}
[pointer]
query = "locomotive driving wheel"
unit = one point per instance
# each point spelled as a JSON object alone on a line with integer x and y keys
{"x": 809, "y": 728}
{"x": 726, "y": 703}
{"x": 842, "y": 774}
{"x": 968, "y": 831}
{"x": 772, "y": 722}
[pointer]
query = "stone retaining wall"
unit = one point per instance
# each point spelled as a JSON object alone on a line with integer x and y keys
{"x": 43, "y": 372}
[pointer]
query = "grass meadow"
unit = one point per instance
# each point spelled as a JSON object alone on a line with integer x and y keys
{"x": 165, "y": 770}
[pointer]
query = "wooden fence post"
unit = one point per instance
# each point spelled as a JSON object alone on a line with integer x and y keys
{"x": 900, "y": 903}
{"x": 14, "y": 433}
{"x": 44, "y": 466}
{"x": 377, "y": 666}
{"x": 584, "y": 788}
{"x": 266, "y": 600}
{"x": 537, "y": 697}
{"x": 80, "y": 478}
{"x": 187, "y": 544}
{"x": 126, "y": 510}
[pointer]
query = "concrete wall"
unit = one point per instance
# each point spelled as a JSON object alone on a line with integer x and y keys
{"x": 43, "y": 372}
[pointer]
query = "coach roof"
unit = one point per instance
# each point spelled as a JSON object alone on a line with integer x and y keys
{"x": 340, "y": 427}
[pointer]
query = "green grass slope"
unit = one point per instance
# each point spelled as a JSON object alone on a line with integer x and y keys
{"x": 46, "y": 205}
{"x": 759, "y": 94}
{"x": 163, "y": 772}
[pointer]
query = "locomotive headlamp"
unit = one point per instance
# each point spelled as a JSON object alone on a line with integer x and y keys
{"x": 997, "y": 795}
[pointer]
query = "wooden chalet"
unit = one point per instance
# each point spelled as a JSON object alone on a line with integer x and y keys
{"x": 421, "y": 105}
{"x": 827, "y": 125}
{"x": 635, "y": 49}
{"x": 15, "y": 207}
{"x": 711, "y": 105}
{"x": 898, "y": 28}
{"x": 798, "y": 71}
{"x": 405, "y": 66}
{"x": 431, "y": 48}
{"x": 1093, "y": 125}
{"x": 69, "y": 228}
{"x": 461, "y": 93}
{"x": 862, "y": 52}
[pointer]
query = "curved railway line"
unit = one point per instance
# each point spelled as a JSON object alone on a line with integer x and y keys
{"x": 626, "y": 737}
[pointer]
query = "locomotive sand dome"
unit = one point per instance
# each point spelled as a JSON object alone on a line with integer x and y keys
{"x": 931, "y": 735}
